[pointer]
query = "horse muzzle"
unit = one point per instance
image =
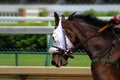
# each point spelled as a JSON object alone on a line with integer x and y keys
{"x": 58, "y": 58}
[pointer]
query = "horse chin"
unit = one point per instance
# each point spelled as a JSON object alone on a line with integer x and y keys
{"x": 58, "y": 60}
{"x": 58, "y": 64}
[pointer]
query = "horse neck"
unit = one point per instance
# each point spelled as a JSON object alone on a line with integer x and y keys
{"x": 86, "y": 31}
{"x": 94, "y": 46}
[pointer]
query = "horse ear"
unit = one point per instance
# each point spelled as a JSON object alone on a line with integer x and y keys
{"x": 63, "y": 17}
{"x": 56, "y": 19}
{"x": 71, "y": 16}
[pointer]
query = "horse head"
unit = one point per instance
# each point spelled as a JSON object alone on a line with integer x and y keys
{"x": 61, "y": 44}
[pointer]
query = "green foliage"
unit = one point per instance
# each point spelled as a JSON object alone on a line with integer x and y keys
{"x": 92, "y": 12}
{"x": 25, "y": 41}
{"x": 67, "y": 13}
{"x": 112, "y": 13}
{"x": 96, "y": 13}
{"x": 44, "y": 13}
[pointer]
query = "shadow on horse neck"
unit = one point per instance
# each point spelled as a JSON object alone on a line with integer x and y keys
{"x": 103, "y": 48}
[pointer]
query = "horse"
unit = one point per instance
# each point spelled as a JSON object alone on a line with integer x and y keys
{"x": 80, "y": 31}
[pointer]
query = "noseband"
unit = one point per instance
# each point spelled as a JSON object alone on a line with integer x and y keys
{"x": 64, "y": 52}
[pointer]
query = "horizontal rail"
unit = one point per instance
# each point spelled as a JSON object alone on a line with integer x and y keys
{"x": 45, "y": 72}
{"x": 26, "y": 30}
{"x": 26, "y": 18}
{"x": 37, "y": 18}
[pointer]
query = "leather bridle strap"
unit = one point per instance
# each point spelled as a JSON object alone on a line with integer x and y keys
{"x": 71, "y": 50}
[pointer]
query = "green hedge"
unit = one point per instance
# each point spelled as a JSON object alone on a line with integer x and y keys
{"x": 95, "y": 13}
{"x": 25, "y": 41}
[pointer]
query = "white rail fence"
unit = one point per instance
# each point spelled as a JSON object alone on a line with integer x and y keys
{"x": 48, "y": 19}
{"x": 20, "y": 19}
{"x": 27, "y": 29}
{"x": 24, "y": 72}
{"x": 30, "y": 29}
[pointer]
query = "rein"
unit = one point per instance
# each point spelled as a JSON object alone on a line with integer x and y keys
{"x": 80, "y": 44}
{"x": 106, "y": 51}
{"x": 72, "y": 49}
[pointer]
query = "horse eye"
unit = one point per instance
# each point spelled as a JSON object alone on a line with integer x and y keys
{"x": 55, "y": 37}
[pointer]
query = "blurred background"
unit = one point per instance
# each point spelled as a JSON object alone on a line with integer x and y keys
{"x": 32, "y": 49}
{"x": 34, "y": 8}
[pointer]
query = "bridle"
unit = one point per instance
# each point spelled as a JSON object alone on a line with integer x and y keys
{"x": 64, "y": 51}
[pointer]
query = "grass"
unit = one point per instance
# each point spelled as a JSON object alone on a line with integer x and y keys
{"x": 23, "y": 59}
{"x": 80, "y": 60}
{"x": 40, "y": 60}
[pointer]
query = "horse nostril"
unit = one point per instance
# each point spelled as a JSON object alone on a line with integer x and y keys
{"x": 53, "y": 63}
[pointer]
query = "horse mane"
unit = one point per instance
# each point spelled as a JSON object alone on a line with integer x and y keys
{"x": 89, "y": 19}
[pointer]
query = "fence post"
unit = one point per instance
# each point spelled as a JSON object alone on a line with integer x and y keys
{"x": 47, "y": 63}
{"x": 49, "y": 23}
{"x": 49, "y": 42}
{"x": 16, "y": 58}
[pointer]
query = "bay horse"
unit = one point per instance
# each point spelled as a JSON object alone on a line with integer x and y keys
{"x": 82, "y": 32}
